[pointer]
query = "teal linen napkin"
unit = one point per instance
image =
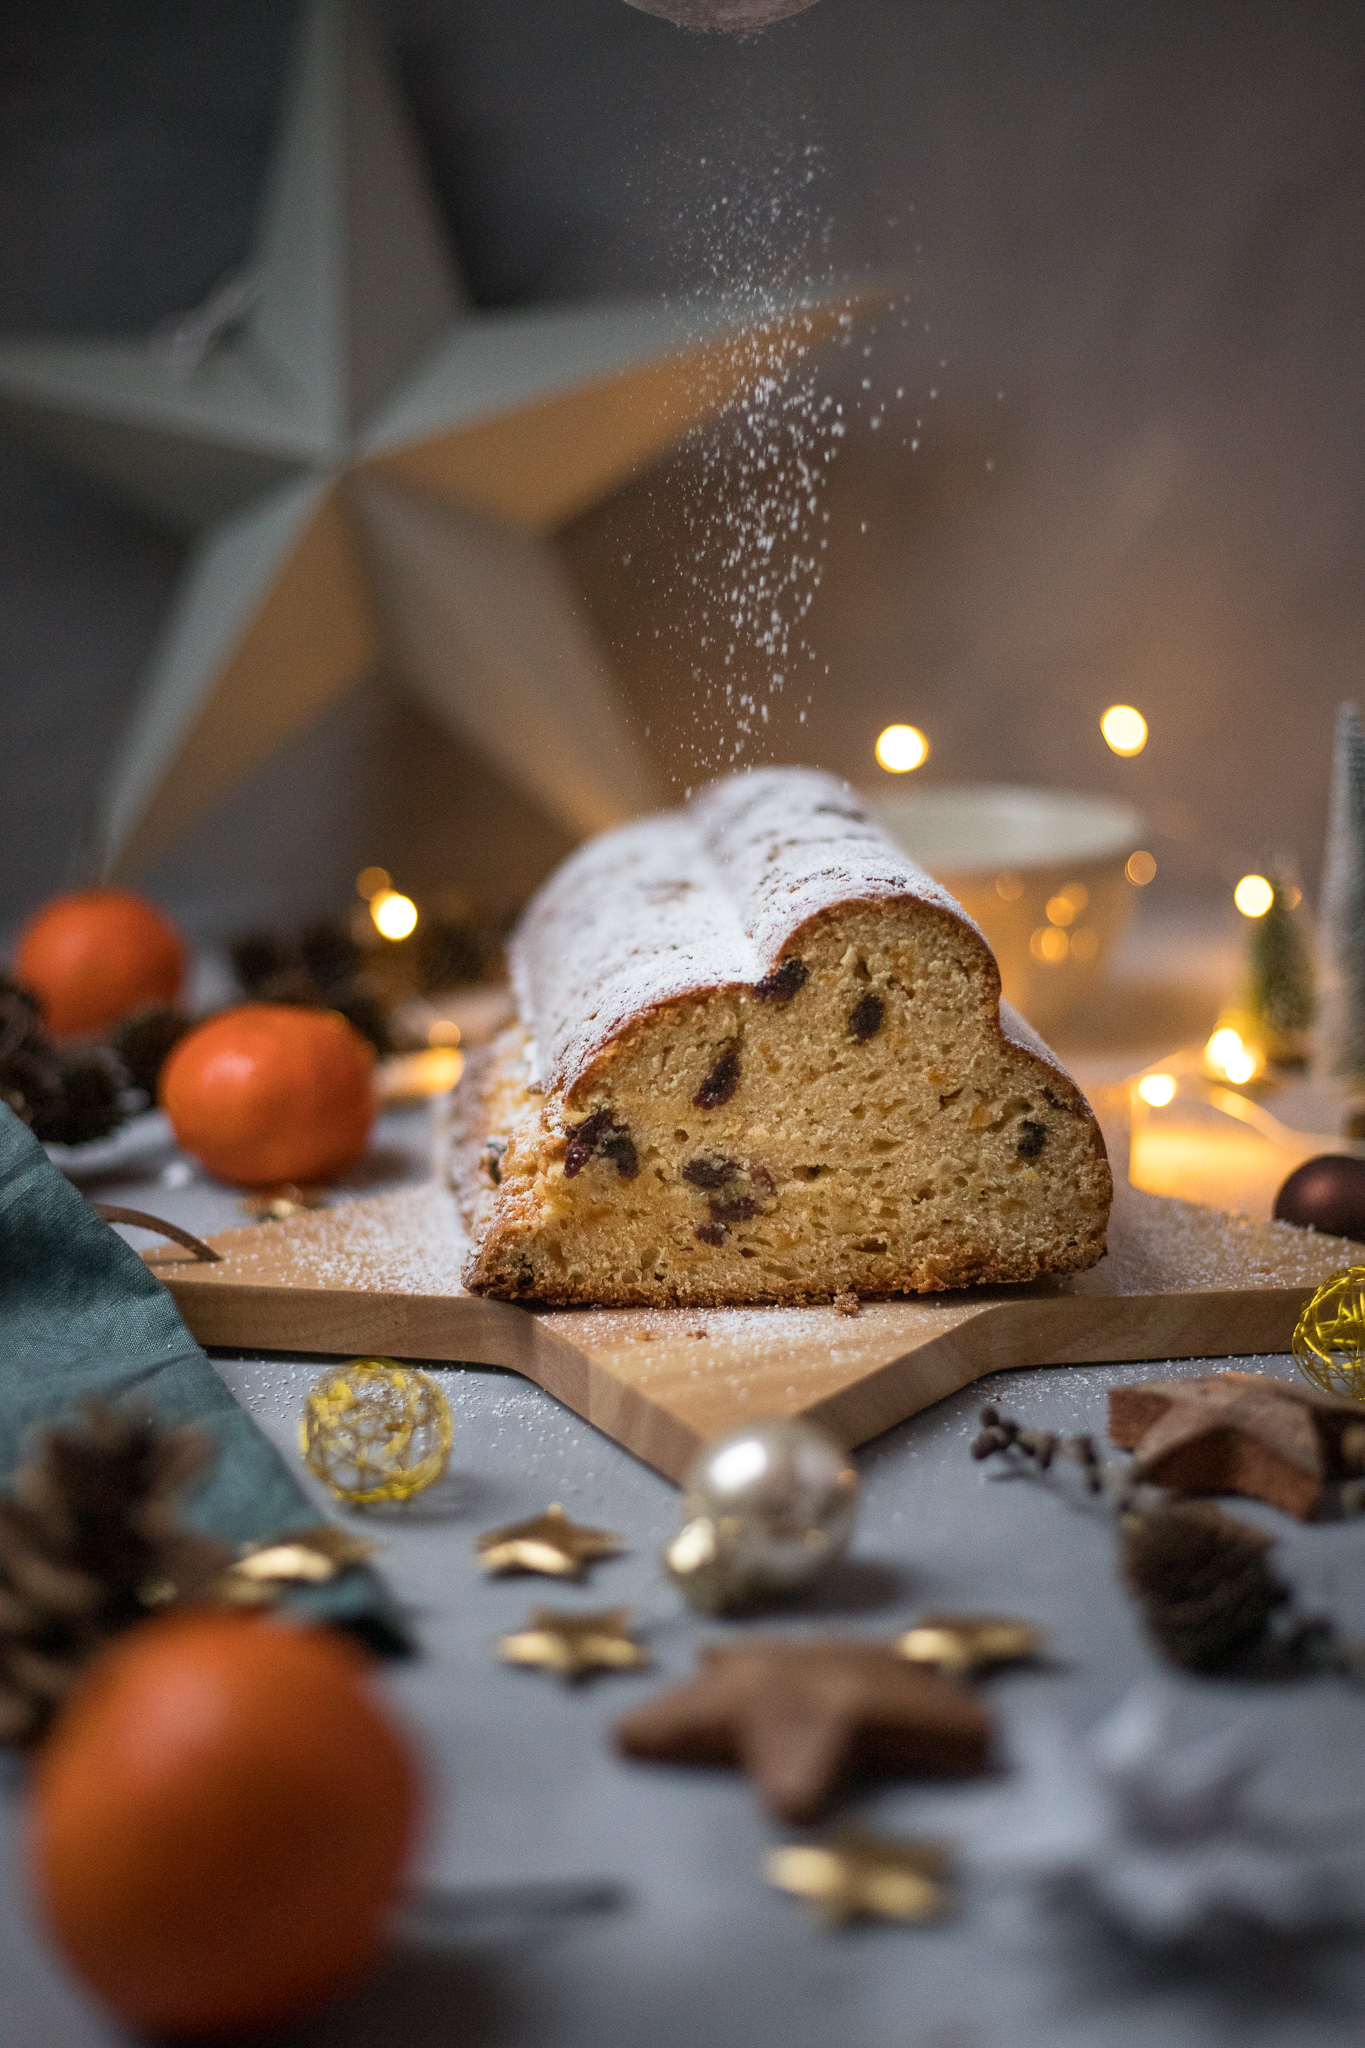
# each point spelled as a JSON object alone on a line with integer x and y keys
{"x": 81, "y": 1314}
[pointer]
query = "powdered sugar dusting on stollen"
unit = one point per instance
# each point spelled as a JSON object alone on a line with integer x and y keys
{"x": 692, "y": 900}
{"x": 790, "y": 843}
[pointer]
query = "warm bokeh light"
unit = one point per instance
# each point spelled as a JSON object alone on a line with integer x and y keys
{"x": 1124, "y": 729}
{"x": 370, "y": 881}
{"x": 1157, "y": 1089}
{"x": 1066, "y": 906}
{"x": 902, "y": 747}
{"x": 1141, "y": 868}
{"x": 1049, "y": 944}
{"x": 443, "y": 1032}
{"x": 1253, "y": 895}
{"x": 1008, "y": 887}
{"x": 413, "y": 1076}
{"x": 1229, "y": 1056}
{"x": 394, "y": 915}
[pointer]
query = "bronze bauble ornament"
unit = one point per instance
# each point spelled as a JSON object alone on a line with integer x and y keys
{"x": 1326, "y": 1193}
{"x": 767, "y": 1510}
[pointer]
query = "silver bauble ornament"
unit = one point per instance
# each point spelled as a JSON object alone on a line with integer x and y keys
{"x": 738, "y": 17}
{"x": 767, "y": 1509}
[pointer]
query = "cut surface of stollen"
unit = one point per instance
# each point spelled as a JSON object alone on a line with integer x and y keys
{"x": 761, "y": 1057}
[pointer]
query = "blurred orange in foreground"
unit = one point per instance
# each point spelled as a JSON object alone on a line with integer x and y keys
{"x": 219, "y": 1823}
{"x": 270, "y": 1093}
{"x": 91, "y": 957}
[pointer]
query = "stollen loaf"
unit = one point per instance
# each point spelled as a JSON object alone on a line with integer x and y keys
{"x": 759, "y": 1056}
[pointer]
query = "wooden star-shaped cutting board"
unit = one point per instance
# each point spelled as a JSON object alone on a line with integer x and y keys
{"x": 548, "y": 1543}
{"x": 1238, "y": 1432}
{"x": 382, "y": 1276}
{"x": 803, "y": 1719}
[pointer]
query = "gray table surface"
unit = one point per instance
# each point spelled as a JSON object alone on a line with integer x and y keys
{"x": 524, "y": 1787}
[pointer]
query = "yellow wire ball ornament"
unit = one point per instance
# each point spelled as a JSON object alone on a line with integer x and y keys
{"x": 376, "y": 1431}
{"x": 1329, "y": 1343}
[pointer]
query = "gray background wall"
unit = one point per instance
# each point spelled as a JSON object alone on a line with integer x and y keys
{"x": 1135, "y": 237}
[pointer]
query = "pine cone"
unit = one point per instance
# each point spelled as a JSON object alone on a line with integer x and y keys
{"x": 316, "y": 962}
{"x": 320, "y": 968}
{"x": 145, "y": 1040}
{"x": 89, "y": 1542}
{"x": 86, "y": 1105}
{"x": 1203, "y": 1582}
{"x": 21, "y": 1021}
{"x": 29, "y": 1081}
{"x": 255, "y": 957}
{"x": 330, "y": 954}
{"x": 31, "y": 1084}
{"x": 450, "y": 953}
{"x": 365, "y": 1010}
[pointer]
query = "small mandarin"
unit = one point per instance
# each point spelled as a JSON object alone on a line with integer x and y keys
{"x": 93, "y": 956}
{"x": 219, "y": 1822}
{"x": 268, "y": 1092}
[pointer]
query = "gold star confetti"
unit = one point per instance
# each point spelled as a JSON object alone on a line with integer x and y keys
{"x": 277, "y": 1204}
{"x": 573, "y": 1645}
{"x": 855, "y": 1876}
{"x": 548, "y": 1543}
{"x": 960, "y": 1645}
{"x": 302, "y": 1557}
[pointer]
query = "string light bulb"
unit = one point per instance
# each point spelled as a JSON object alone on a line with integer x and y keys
{"x": 1157, "y": 1090}
{"x": 1253, "y": 895}
{"x": 901, "y": 748}
{"x": 1124, "y": 729}
{"x": 1228, "y": 1056}
{"x": 394, "y": 915}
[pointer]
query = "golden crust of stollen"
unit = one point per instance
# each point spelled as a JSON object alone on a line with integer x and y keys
{"x": 857, "y": 1113}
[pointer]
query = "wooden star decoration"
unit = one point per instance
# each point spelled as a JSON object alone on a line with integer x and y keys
{"x": 1238, "y": 1432}
{"x": 961, "y": 1645}
{"x": 574, "y": 1646}
{"x": 858, "y": 1876}
{"x": 802, "y": 1719}
{"x": 374, "y": 472}
{"x": 548, "y": 1543}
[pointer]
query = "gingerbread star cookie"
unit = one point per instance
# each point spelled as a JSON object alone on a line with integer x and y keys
{"x": 1239, "y": 1432}
{"x": 804, "y": 1718}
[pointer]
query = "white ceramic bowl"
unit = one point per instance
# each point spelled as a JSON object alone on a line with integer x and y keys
{"x": 1043, "y": 872}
